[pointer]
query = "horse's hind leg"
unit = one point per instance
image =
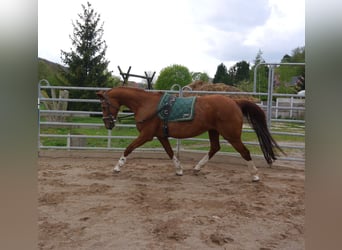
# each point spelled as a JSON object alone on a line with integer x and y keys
{"x": 244, "y": 152}
{"x": 214, "y": 147}
{"x": 166, "y": 144}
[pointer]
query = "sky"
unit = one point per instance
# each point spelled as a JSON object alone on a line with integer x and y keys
{"x": 149, "y": 35}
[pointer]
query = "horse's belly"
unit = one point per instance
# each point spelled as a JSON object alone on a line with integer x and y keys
{"x": 186, "y": 129}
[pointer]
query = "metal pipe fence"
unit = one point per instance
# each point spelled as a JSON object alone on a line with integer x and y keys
{"x": 78, "y": 132}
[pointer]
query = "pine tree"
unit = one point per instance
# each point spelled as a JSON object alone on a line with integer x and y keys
{"x": 262, "y": 74}
{"x": 86, "y": 62}
{"x": 221, "y": 75}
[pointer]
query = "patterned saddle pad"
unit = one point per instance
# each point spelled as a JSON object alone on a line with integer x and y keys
{"x": 173, "y": 108}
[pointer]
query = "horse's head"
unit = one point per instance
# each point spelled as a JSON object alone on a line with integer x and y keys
{"x": 110, "y": 109}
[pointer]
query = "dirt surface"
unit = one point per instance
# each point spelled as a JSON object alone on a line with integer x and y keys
{"x": 83, "y": 205}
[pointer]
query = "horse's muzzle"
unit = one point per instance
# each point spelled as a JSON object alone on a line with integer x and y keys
{"x": 109, "y": 122}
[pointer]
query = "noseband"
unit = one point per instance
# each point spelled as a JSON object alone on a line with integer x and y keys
{"x": 110, "y": 118}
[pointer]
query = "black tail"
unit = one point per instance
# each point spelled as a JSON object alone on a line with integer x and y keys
{"x": 256, "y": 117}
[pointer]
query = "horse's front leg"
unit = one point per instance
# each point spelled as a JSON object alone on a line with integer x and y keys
{"x": 214, "y": 147}
{"x": 166, "y": 144}
{"x": 140, "y": 140}
{"x": 120, "y": 163}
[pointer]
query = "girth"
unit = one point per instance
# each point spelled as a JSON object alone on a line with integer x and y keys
{"x": 166, "y": 111}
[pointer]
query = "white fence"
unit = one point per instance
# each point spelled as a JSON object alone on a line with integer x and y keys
{"x": 294, "y": 107}
{"x": 61, "y": 134}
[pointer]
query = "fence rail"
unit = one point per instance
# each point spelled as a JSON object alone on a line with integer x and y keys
{"x": 292, "y": 129}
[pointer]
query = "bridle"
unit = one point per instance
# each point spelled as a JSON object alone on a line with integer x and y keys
{"x": 109, "y": 118}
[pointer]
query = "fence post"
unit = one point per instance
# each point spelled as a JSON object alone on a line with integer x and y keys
{"x": 68, "y": 141}
{"x": 39, "y": 95}
{"x": 38, "y": 116}
{"x": 109, "y": 139}
{"x": 270, "y": 94}
{"x": 277, "y": 108}
{"x": 291, "y": 107}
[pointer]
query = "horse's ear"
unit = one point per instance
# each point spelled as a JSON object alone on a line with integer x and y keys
{"x": 100, "y": 94}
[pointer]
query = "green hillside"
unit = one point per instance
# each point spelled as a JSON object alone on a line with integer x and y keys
{"x": 52, "y": 72}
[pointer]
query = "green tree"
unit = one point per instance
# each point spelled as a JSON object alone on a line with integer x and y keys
{"x": 242, "y": 71}
{"x": 238, "y": 72}
{"x": 199, "y": 76}
{"x": 262, "y": 74}
{"x": 298, "y": 54}
{"x": 221, "y": 75}
{"x": 258, "y": 58}
{"x": 286, "y": 59}
{"x": 174, "y": 74}
{"x": 288, "y": 72}
{"x": 113, "y": 81}
{"x": 86, "y": 62}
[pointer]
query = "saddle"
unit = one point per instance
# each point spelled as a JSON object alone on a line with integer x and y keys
{"x": 175, "y": 109}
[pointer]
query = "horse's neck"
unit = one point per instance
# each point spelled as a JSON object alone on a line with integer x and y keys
{"x": 132, "y": 99}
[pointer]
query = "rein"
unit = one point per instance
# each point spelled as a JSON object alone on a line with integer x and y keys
{"x": 124, "y": 116}
{"x": 112, "y": 119}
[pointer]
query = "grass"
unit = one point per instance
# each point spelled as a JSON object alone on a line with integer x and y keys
{"x": 51, "y": 72}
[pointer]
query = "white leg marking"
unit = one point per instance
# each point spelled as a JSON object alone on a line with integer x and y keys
{"x": 202, "y": 162}
{"x": 120, "y": 163}
{"x": 179, "y": 169}
{"x": 253, "y": 170}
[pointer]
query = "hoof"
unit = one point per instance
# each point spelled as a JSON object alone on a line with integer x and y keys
{"x": 179, "y": 174}
{"x": 255, "y": 178}
{"x": 116, "y": 171}
{"x": 196, "y": 171}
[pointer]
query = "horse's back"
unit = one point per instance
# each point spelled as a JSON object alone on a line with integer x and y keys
{"x": 219, "y": 104}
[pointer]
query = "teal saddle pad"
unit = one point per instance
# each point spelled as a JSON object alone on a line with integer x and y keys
{"x": 173, "y": 108}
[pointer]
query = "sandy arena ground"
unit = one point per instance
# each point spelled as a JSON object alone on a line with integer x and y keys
{"x": 83, "y": 205}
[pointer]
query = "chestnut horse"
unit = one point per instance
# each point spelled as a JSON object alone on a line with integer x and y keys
{"x": 217, "y": 114}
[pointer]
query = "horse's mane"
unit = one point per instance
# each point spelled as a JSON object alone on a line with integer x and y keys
{"x": 130, "y": 88}
{"x": 139, "y": 90}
